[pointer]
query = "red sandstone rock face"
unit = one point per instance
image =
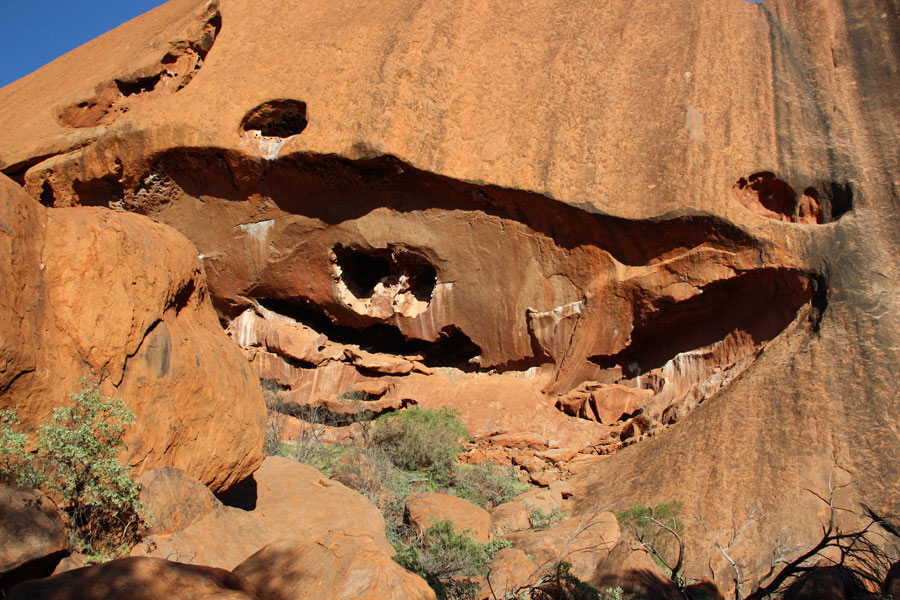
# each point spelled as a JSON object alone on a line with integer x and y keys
{"x": 470, "y": 185}
{"x": 123, "y": 301}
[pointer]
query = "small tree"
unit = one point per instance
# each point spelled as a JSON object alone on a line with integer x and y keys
{"x": 76, "y": 464}
{"x": 660, "y": 531}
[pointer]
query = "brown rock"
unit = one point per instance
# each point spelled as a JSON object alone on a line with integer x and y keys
{"x": 565, "y": 488}
{"x": 510, "y": 569}
{"x": 137, "y": 579}
{"x": 604, "y": 403}
{"x": 546, "y": 500}
{"x": 378, "y": 363}
{"x": 544, "y": 478}
{"x": 705, "y": 589}
{"x": 336, "y": 567}
{"x": 424, "y": 510}
{"x": 33, "y": 537}
{"x": 635, "y": 571}
{"x": 174, "y": 499}
{"x": 124, "y": 300}
{"x": 583, "y": 542}
{"x": 284, "y": 500}
{"x": 509, "y": 517}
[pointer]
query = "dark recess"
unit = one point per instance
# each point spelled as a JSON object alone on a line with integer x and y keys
{"x": 761, "y": 303}
{"x": 361, "y": 270}
{"x": 277, "y": 118}
{"x": 453, "y": 349}
{"x": 47, "y": 196}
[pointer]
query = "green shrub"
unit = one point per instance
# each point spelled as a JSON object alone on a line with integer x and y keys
{"x": 370, "y": 472}
{"x": 648, "y": 526}
{"x": 560, "y": 584}
{"x": 421, "y": 440}
{"x": 77, "y": 451}
{"x": 487, "y": 484}
{"x": 447, "y": 559}
{"x": 15, "y": 463}
{"x": 545, "y": 520}
{"x": 357, "y": 396}
{"x": 76, "y": 463}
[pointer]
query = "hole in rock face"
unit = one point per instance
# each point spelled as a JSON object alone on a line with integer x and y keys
{"x": 453, "y": 348}
{"x": 360, "y": 271}
{"x": 47, "y": 196}
{"x": 768, "y": 195}
{"x": 771, "y": 197}
{"x": 276, "y": 118}
{"x": 173, "y": 71}
{"x": 383, "y": 282}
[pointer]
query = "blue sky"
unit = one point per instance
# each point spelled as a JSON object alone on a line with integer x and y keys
{"x": 34, "y": 32}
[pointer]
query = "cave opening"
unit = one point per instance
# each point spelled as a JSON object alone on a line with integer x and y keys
{"x": 453, "y": 348}
{"x": 362, "y": 270}
{"x": 276, "y": 118}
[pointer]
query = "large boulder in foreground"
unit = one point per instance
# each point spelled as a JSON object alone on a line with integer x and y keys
{"x": 337, "y": 567}
{"x": 284, "y": 500}
{"x": 113, "y": 296}
{"x": 137, "y": 578}
{"x": 32, "y": 536}
{"x": 428, "y": 509}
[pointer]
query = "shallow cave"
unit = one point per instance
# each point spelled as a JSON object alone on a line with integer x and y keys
{"x": 362, "y": 270}
{"x": 761, "y": 303}
{"x": 276, "y": 118}
{"x": 453, "y": 348}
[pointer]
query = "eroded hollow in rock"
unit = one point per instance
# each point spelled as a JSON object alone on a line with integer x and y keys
{"x": 684, "y": 352}
{"x": 381, "y": 283}
{"x": 453, "y": 348}
{"x": 173, "y": 72}
{"x": 276, "y": 119}
{"x": 771, "y": 197}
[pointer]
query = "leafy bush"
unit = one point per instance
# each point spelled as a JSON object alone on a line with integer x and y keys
{"x": 421, "y": 440}
{"x": 357, "y": 396}
{"x": 15, "y": 462}
{"x": 545, "y": 520}
{"x": 447, "y": 559}
{"x": 487, "y": 484}
{"x": 659, "y": 529}
{"x": 77, "y": 463}
{"x": 560, "y": 584}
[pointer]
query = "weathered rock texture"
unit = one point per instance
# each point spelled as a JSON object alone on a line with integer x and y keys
{"x": 284, "y": 500}
{"x": 335, "y": 567}
{"x": 696, "y": 199}
{"x": 116, "y": 298}
{"x": 33, "y": 537}
{"x": 137, "y": 578}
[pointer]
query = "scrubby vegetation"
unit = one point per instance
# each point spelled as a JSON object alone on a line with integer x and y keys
{"x": 413, "y": 450}
{"x": 447, "y": 559}
{"x": 76, "y": 464}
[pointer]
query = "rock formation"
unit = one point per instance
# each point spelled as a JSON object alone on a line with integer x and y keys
{"x": 121, "y": 300}
{"x": 664, "y": 231}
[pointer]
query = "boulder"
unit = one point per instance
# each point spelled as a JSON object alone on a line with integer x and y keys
{"x": 509, "y": 517}
{"x": 137, "y": 578}
{"x": 510, "y": 569}
{"x": 335, "y": 567}
{"x": 583, "y": 542}
{"x": 545, "y": 500}
{"x": 174, "y": 499}
{"x": 33, "y": 537}
{"x": 424, "y": 510}
{"x": 635, "y": 571}
{"x": 122, "y": 299}
{"x": 284, "y": 500}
